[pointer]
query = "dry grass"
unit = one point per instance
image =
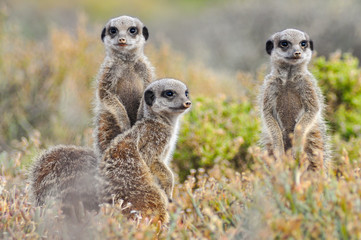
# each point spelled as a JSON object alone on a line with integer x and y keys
{"x": 273, "y": 200}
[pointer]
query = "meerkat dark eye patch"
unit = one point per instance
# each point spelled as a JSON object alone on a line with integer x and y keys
{"x": 269, "y": 46}
{"x": 112, "y": 31}
{"x": 149, "y": 97}
{"x": 283, "y": 44}
{"x": 304, "y": 44}
{"x": 311, "y": 45}
{"x": 133, "y": 30}
{"x": 103, "y": 34}
{"x": 187, "y": 93}
{"x": 145, "y": 33}
{"x": 168, "y": 93}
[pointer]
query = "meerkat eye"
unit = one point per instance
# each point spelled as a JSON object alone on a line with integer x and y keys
{"x": 283, "y": 43}
{"x": 133, "y": 30}
{"x": 113, "y": 30}
{"x": 168, "y": 93}
{"x": 187, "y": 93}
{"x": 304, "y": 44}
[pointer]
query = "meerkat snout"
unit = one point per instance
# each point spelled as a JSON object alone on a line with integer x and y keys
{"x": 187, "y": 104}
{"x": 297, "y": 54}
{"x": 122, "y": 40}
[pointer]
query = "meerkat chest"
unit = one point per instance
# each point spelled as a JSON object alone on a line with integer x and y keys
{"x": 153, "y": 141}
{"x": 288, "y": 106}
{"x": 129, "y": 90}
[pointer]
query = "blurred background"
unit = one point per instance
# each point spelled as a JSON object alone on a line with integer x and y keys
{"x": 50, "y": 52}
{"x": 226, "y": 35}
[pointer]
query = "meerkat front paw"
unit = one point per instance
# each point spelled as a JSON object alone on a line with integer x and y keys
{"x": 169, "y": 192}
{"x": 279, "y": 150}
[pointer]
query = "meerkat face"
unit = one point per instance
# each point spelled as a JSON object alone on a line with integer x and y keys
{"x": 124, "y": 34}
{"x": 167, "y": 97}
{"x": 290, "y": 46}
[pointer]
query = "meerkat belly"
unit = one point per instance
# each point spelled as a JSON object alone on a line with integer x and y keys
{"x": 288, "y": 109}
{"x": 130, "y": 94}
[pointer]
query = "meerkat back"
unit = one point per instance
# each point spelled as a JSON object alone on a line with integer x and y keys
{"x": 122, "y": 78}
{"x": 65, "y": 174}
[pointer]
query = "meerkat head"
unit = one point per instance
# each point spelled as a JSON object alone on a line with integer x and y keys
{"x": 166, "y": 97}
{"x": 124, "y": 35}
{"x": 290, "y": 46}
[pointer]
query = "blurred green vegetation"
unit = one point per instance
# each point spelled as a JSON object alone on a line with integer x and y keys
{"x": 216, "y": 131}
{"x": 340, "y": 79}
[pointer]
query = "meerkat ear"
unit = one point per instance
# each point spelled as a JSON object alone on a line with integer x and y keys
{"x": 269, "y": 46}
{"x": 145, "y": 33}
{"x": 103, "y": 34}
{"x": 149, "y": 97}
{"x": 311, "y": 45}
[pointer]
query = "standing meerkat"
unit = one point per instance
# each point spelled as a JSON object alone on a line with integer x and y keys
{"x": 291, "y": 101}
{"x": 122, "y": 78}
{"x": 139, "y": 156}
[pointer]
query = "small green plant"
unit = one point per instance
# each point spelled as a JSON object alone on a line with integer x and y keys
{"x": 216, "y": 131}
{"x": 340, "y": 79}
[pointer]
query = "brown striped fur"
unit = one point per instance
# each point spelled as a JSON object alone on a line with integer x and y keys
{"x": 65, "y": 173}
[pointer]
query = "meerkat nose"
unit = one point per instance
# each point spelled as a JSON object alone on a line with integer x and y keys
{"x": 187, "y": 104}
{"x": 297, "y": 54}
{"x": 122, "y": 40}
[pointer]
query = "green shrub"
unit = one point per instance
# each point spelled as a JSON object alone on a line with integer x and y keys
{"x": 340, "y": 80}
{"x": 216, "y": 131}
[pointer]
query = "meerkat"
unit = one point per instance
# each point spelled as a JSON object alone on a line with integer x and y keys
{"x": 65, "y": 173}
{"x": 139, "y": 155}
{"x": 122, "y": 78}
{"x": 134, "y": 168}
{"x": 291, "y": 102}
